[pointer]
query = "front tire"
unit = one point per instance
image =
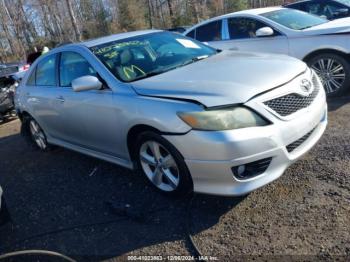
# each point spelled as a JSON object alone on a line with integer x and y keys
{"x": 334, "y": 72}
{"x": 162, "y": 164}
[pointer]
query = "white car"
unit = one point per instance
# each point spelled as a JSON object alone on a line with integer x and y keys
{"x": 323, "y": 44}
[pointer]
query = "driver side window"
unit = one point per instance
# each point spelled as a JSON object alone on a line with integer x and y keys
{"x": 72, "y": 66}
{"x": 244, "y": 28}
{"x": 331, "y": 10}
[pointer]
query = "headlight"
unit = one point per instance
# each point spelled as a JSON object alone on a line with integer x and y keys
{"x": 225, "y": 119}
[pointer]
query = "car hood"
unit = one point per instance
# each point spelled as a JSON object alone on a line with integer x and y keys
{"x": 338, "y": 26}
{"x": 226, "y": 78}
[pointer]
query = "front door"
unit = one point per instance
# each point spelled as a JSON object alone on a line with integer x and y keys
{"x": 88, "y": 118}
{"x": 242, "y": 37}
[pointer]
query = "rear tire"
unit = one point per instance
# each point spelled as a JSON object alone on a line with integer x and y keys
{"x": 34, "y": 134}
{"x": 162, "y": 164}
{"x": 334, "y": 72}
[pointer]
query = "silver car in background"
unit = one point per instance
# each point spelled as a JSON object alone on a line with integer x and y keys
{"x": 189, "y": 117}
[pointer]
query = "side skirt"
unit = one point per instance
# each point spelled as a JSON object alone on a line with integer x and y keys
{"x": 89, "y": 152}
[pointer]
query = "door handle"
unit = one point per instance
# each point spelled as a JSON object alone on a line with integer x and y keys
{"x": 60, "y": 98}
{"x": 233, "y": 48}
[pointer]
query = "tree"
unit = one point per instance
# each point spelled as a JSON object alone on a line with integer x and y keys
{"x": 171, "y": 13}
{"x": 26, "y": 23}
{"x": 73, "y": 19}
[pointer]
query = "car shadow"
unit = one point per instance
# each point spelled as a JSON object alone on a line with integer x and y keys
{"x": 90, "y": 209}
{"x": 337, "y": 102}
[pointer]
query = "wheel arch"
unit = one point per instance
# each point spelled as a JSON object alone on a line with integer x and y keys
{"x": 23, "y": 114}
{"x": 325, "y": 51}
{"x": 132, "y": 135}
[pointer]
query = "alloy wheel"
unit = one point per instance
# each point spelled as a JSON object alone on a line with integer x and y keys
{"x": 331, "y": 72}
{"x": 159, "y": 166}
{"x": 37, "y": 134}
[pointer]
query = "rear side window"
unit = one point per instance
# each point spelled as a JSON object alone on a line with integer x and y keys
{"x": 45, "y": 72}
{"x": 31, "y": 79}
{"x": 72, "y": 66}
{"x": 209, "y": 32}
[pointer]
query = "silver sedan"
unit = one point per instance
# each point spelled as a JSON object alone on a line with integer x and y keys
{"x": 187, "y": 116}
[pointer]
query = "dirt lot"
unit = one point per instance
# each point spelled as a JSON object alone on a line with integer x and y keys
{"x": 58, "y": 203}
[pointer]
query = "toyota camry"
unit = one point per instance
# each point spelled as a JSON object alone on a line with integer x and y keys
{"x": 187, "y": 116}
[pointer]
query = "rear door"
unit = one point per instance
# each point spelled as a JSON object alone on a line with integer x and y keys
{"x": 42, "y": 97}
{"x": 211, "y": 33}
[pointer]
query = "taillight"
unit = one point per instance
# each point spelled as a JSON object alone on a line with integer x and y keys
{"x": 24, "y": 68}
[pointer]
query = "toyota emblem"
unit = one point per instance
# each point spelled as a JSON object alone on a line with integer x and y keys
{"x": 306, "y": 86}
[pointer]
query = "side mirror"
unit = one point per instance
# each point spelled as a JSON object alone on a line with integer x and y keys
{"x": 264, "y": 31}
{"x": 86, "y": 83}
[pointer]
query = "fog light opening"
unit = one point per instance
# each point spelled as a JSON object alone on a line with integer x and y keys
{"x": 240, "y": 170}
{"x": 252, "y": 169}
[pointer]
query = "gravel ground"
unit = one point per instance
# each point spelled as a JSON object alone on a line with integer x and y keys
{"x": 92, "y": 210}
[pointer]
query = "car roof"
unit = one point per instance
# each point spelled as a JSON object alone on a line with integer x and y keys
{"x": 115, "y": 37}
{"x": 256, "y": 11}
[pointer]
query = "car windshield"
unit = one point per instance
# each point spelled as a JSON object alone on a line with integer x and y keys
{"x": 294, "y": 19}
{"x": 147, "y": 55}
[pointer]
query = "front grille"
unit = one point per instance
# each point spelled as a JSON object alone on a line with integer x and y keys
{"x": 251, "y": 169}
{"x": 291, "y": 103}
{"x": 291, "y": 147}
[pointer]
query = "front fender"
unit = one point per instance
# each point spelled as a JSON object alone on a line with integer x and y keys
{"x": 161, "y": 114}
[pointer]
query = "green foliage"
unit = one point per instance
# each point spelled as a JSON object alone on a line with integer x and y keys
{"x": 235, "y": 5}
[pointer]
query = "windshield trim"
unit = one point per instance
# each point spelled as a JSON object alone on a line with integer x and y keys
{"x": 128, "y": 39}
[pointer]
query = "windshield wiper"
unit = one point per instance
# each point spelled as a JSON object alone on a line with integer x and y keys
{"x": 309, "y": 26}
{"x": 149, "y": 74}
{"x": 194, "y": 59}
{"x": 306, "y": 27}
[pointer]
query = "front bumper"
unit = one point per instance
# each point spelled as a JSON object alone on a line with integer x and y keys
{"x": 210, "y": 156}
